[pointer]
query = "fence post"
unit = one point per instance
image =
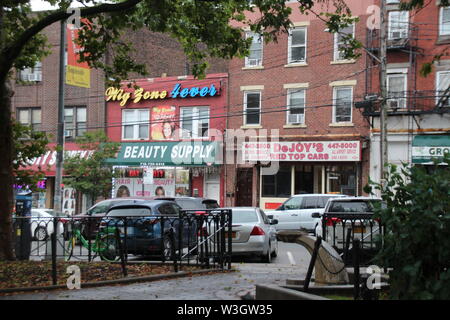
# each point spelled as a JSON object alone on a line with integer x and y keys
{"x": 230, "y": 224}
{"x": 88, "y": 235}
{"x": 180, "y": 238}
{"x": 222, "y": 240}
{"x": 357, "y": 279}
{"x": 53, "y": 237}
{"x": 312, "y": 263}
{"x": 121, "y": 253}
{"x": 173, "y": 253}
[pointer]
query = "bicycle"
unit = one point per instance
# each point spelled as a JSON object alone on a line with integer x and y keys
{"x": 105, "y": 244}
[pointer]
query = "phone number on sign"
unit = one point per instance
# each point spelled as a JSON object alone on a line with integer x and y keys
{"x": 342, "y": 145}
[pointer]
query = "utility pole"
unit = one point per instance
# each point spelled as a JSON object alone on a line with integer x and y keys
{"x": 384, "y": 93}
{"x": 57, "y": 202}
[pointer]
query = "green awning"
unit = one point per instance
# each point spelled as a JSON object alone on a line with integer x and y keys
{"x": 426, "y": 148}
{"x": 190, "y": 153}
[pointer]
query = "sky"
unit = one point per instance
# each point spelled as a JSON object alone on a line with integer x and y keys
{"x": 39, "y": 5}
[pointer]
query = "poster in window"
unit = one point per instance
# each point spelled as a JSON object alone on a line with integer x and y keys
{"x": 182, "y": 183}
{"x": 69, "y": 201}
{"x": 163, "y": 123}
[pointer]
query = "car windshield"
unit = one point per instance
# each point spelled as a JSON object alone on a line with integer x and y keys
{"x": 352, "y": 206}
{"x": 130, "y": 212}
{"x": 242, "y": 216}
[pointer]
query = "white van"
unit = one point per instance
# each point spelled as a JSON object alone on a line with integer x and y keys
{"x": 295, "y": 212}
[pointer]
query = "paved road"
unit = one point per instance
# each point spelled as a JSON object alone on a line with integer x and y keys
{"x": 292, "y": 262}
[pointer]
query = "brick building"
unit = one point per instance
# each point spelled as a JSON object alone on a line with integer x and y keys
{"x": 418, "y": 118}
{"x": 36, "y": 97}
{"x": 302, "y": 87}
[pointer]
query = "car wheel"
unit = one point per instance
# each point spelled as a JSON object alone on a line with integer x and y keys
{"x": 40, "y": 233}
{"x": 275, "y": 252}
{"x": 267, "y": 258}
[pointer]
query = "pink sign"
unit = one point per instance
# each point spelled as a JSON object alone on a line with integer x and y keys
{"x": 302, "y": 151}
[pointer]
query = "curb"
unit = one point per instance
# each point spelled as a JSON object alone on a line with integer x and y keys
{"x": 117, "y": 281}
{"x": 274, "y": 292}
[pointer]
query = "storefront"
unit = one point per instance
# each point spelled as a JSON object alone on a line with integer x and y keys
{"x": 170, "y": 130}
{"x": 331, "y": 167}
{"x": 43, "y": 197}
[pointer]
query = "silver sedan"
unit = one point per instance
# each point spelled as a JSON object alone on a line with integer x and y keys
{"x": 253, "y": 233}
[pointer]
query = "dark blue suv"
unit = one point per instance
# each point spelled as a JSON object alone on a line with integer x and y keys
{"x": 145, "y": 227}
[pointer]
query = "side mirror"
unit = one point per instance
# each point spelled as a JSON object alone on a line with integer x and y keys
{"x": 273, "y": 221}
{"x": 316, "y": 215}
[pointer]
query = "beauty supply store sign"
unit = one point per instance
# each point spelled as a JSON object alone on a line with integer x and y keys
{"x": 306, "y": 151}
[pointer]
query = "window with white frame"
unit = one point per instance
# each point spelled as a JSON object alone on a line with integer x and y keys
{"x": 342, "y": 106}
{"x": 135, "y": 124}
{"x": 252, "y": 108}
{"x": 74, "y": 121}
{"x": 297, "y": 45}
{"x": 442, "y": 84}
{"x": 397, "y": 90}
{"x": 255, "y": 57}
{"x": 30, "y": 117}
{"x": 444, "y": 21}
{"x": 32, "y": 74}
{"x": 296, "y": 106}
{"x": 398, "y": 24}
{"x": 339, "y": 41}
{"x": 194, "y": 122}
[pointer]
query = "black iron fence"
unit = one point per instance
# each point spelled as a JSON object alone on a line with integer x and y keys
{"x": 342, "y": 229}
{"x": 200, "y": 238}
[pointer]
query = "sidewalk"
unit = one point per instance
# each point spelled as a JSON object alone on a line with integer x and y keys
{"x": 229, "y": 286}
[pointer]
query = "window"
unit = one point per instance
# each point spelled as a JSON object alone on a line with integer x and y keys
{"x": 310, "y": 203}
{"x": 255, "y": 57}
{"x": 30, "y": 117}
{"x": 297, "y": 45}
{"x": 252, "y": 107}
{"x": 194, "y": 122}
{"x": 135, "y": 124}
{"x": 442, "y": 84}
{"x": 398, "y": 24}
{"x": 31, "y": 74}
{"x": 343, "y": 101}
{"x": 396, "y": 86}
{"x": 277, "y": 185}
{"x": 444, "y": 21}
{"x": 294, "y": 203}
{"x": 296, "y": 106}
{"x": 339, "y": 41}
{"x": 74, "y": 121}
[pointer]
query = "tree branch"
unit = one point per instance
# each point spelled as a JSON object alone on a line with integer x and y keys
{"x": 10, "y": 53}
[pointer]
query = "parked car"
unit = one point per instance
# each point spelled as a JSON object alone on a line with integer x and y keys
{"x": 295, "y": 213}
{"x": 192, "y": 203}
{"x": 253, "y": 233}
{"x": 90, "y": 220}
{"x": 42, "y": 224}
{"x": 144, "y": 235}
{"x": 358, "y": 211}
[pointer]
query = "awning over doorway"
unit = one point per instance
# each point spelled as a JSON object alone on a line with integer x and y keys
{"x": 426, "y": 148}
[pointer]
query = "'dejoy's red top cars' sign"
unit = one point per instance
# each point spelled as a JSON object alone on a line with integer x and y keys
{"x": 302, "y": 151}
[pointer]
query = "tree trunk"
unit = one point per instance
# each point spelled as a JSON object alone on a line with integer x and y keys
{"x": 6, "y": 173}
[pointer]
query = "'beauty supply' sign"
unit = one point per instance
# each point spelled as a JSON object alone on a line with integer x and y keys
{"x": 139, "y": 94}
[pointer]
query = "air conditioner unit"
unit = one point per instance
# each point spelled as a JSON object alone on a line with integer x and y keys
{"x": 296, "y": 118}
{"x": 395, "y": 104}
{"x": 67, "y": 133}
{"x": 252, "y": 62}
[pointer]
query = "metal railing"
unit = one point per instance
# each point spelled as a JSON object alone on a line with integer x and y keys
{"x": 194, "y": 237}
{"x": 341, "y": 230}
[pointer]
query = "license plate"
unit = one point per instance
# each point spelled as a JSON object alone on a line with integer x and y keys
{"x": 359, "y": 229}
{"x": 233, "y": 235}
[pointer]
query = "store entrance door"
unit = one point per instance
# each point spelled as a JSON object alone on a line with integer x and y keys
{"x": 244, "y": 187}
{"x": 212, "y": 186}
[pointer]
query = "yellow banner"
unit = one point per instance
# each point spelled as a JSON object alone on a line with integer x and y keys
{"x": 77, "y": 76}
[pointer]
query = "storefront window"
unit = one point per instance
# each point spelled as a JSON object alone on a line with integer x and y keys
{"x": 341, "y": 179}
{"x": 278, "y": 185}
